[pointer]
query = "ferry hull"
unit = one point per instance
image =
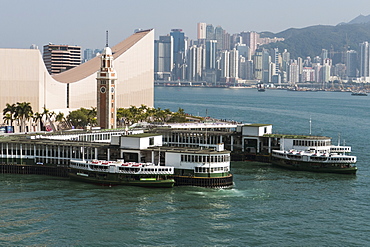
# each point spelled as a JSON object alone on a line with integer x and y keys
{"x": 115, "y": 180}
{"x": 314, "y": 167}
{"x": 208, "y": 182}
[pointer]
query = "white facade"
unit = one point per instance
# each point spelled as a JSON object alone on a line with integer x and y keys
{"x": 140, "y": 142}
{"x": 24, "y": 77}
{"x": 256, "y": 129}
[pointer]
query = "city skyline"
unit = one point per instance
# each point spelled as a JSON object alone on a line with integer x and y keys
{"x": 65, "y": 22}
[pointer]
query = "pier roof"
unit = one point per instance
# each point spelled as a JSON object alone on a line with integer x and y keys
{"x": 291, "y": 136}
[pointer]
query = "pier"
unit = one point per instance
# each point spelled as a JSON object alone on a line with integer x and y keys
{"x": 56, "y": 171}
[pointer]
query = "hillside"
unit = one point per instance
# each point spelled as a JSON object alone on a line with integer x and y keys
{"x": 310, "y": 41}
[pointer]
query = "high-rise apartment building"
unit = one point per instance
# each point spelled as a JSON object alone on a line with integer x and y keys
{"x": 293, "y": 73}
{"x": 251, "y": 39}
{"x": 234, "y": 63}
{"x": 211, "y": 54}
{"x": 196, "y": 63}
{"x": 225, "y": 64}
{"x": 59, "y": 58}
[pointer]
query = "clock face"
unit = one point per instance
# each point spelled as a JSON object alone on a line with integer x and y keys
{"x": 102, "y": 89}
{"x": 112, "y": 89}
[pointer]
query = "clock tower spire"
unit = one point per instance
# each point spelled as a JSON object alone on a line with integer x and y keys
{"x": 106, "y": 90}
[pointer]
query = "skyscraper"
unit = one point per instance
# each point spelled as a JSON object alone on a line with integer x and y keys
{"x": 210, "y": 32}
{"x": 251, "y": 39}
{"x": 163, "y": 57}
{"x": 225, "y": 64}
{"x": 234, "y": 63}
{"x": 195, "y": 63}
{"x": 351, "y": 64}
{"x": 258, "y": 64}
{"x": 211, "y": 54}
{"x": 219, "y": 36}
{"x": 59, "y": 58}
{"x": 364, "y": 59}
{"x": 201, "y": 30}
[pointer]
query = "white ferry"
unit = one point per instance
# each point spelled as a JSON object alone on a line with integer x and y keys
{"x": 122, "y": 173}
{"x": 315, "y": 154}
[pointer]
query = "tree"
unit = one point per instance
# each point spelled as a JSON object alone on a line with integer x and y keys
{"x": 37, "y": 118}
{"x": 10, "y": 109}
{"x": 23, "y": 113}
{"x": 82, "y": 117}
{"x": 178, "y": 117}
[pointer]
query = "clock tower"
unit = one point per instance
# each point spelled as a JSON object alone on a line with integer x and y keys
{"x": 106, "y": 90}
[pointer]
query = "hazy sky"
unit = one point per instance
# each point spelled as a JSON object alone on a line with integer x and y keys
{"x": 84, "y": 22}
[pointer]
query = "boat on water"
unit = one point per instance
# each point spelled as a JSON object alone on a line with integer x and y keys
{"x": 359, "y": 94}
{"x": 261, "y": 87}
{"x": 122, "y": 173}
{"x": 314, "y": 154}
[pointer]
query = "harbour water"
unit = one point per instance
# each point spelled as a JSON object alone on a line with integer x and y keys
{"x": 268, "y": 206}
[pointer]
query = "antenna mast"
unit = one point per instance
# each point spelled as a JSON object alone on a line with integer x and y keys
{"x": 106, "y": 44}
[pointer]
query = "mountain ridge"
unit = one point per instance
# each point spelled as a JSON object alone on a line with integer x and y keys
{"x": 309, "y": 41}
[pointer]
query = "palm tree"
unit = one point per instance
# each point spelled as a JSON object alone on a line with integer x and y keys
{"x": 7, "y": 118}
{"x": 37, "y": 118}
{"x": 48, "y": 115}
{"x": 23, "y": 113}
{"x": 10, "y": 109}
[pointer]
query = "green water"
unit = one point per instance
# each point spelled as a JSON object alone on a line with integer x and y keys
{"x": 268, "y": 206}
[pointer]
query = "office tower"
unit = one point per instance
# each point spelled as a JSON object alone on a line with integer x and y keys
{"x": 226, "y": 41}
{"x": 59, "y": 58}
{"x": 211, "y": 54}
{"x": 201, "y": 30}
{"x": 178, "y": 40}
{"x": 163, "y": 57}
{"x": 351, "y": 64}
{"x": 266, "y": 67}
{"x": 179, "y": 51}
{"x": 251, "y": 39}
{"x": 88, "y": 54}
{"x": 106, "y": 91}
{"x": 258, "y": 64}
{"x": 364, "y": 59}
{"x": 234, "y": 63}
{"x": 285, "y": 60}
{"x": 210, "y": 32}
{"x": 275, "y": 58}
{"x": 219, "y": 36}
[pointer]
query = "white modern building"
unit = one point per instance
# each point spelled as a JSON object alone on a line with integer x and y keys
{"x": 24, "y": 77}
